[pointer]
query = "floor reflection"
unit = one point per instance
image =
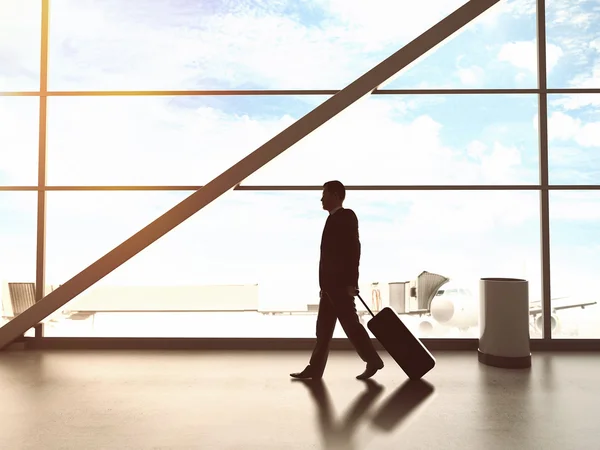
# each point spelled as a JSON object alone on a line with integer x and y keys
{"x": 403, "y": 404}
{"x": 395, "y": 410}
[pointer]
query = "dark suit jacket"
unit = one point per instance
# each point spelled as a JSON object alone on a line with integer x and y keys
{"x": 340, "y": 251}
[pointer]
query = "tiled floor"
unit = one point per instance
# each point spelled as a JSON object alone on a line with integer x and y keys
{"x": 245, "y": 400}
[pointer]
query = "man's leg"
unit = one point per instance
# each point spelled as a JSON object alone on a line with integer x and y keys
{"x": 356, "y": 332}
{"x": 326, "y": 319}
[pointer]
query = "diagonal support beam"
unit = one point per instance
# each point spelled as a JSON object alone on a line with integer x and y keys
{"x": 358, "y": 89}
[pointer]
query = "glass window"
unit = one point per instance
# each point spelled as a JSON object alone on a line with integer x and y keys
{"x": 495, "y": 51}
{"x": 19, "y": 137}
{"x": 573, "y": 44}
{"x": 575, "y": 245}
{"x": 574, "y": 138}
{"x": 17, "y": 251}
{"x": 102, "y": 45}
{"x": 247, "y": 264}
{"x": 20, "y": 38}
{"x": 160, "y": 140}
{"x": 417, "y": 139}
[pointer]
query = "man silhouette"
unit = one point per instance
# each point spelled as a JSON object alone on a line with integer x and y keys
{"x": 338, "y": 280}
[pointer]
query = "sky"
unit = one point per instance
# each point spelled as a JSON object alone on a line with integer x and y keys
{"x": 271, "y": 237}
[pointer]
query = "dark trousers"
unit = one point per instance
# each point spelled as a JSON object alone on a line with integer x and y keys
{"x": 337, "y": 304}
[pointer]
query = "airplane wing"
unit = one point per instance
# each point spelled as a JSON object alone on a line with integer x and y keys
{"x": 415, "y": 312}
{"x": 536, "y": 308}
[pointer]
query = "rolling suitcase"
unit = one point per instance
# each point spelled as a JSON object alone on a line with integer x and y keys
{"x": 406, "y": 349}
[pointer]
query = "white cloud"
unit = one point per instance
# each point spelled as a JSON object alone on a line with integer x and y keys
{"x": 369, "y": 144}
{"x": 20, "y": 45}
{"x": 500, "y": 162}
{"x": 521, "y": 77}
{"x": 476, "y": 149}
{"x": 571, "y": 13}
{"x": 575, "y": 206}
{"x": 19, "y": 140}
{"x": 561, "y": 126}
{"x": 108, "y": 140}
{"x": 588, "y": 80}
{"x": 385, "y": 21}
{"x": 257, "y": 46}
{"x": 572, "y": 26}
{"x": 585, "y": 80}
{"x": 94, "y": 141}
{"x": 589, "y": 135}
{"x": 471, "y": 76}
{"x": 523, "y": 55}
{"x": 573, "y": 142}
{"x": 564, "y": 127}
{"x": 491, "y": 19}
{"x": 123, "y": 48}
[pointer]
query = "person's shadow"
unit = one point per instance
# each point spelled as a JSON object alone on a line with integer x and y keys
{"x": 394, "y": 411}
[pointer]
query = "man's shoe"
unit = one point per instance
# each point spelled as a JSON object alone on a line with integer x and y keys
{"x": 308, "y": 373}
{"x": 371, "y": 370}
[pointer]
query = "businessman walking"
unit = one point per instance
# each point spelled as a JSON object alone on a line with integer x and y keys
{"x": 338, "y": 280}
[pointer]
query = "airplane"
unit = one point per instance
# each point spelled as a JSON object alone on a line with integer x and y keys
{"x": 435, "y": 300}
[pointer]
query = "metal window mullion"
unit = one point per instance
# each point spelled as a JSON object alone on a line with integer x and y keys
{"x": 40, "y": 266}
{"x": 274, "y": 188}
{"x": 544, "y": 168}
{"x": 279, "y": 188}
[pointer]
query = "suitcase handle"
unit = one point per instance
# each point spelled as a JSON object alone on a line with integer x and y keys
{"x": 363, "y": 302}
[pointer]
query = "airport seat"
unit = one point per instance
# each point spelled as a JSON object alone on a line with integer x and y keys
{"x": 22, "y": 297}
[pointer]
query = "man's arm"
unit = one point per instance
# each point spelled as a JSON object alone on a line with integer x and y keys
{"x": 349, "y": 247}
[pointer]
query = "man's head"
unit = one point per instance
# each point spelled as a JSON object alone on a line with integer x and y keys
{"x": 334, "y": 194}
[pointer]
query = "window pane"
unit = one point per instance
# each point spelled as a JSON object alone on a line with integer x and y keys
{"x": 575, "y": 242}
{"x": 17, "y": 251}
{"x": 574, "y": 138}
{"x": 19, "y": 138}
{"x": 20, "y": 37}
{"x": 418, "y": 139}
{"x": 160, "y": 141}
{"x": 498, "y": 50}
{"x": 573, "y": 40}
{"x": 139, "y": 44}
{"x": 247, "y": 264}
{"x": 83, "y": 226}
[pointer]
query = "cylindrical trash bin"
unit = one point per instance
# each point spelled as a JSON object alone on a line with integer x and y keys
{"x": 504, "y": 323}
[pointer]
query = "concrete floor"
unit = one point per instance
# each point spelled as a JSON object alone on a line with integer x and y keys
{"x": 245, "y": 400}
